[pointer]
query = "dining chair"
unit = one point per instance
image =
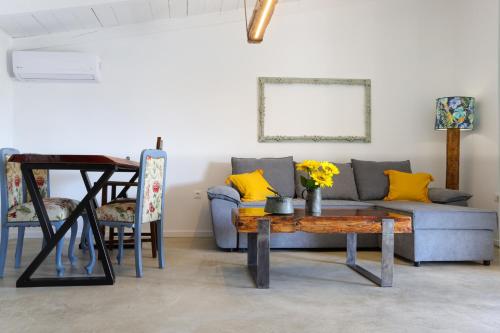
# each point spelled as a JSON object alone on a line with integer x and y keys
{"x": 148, "y": 207}
{"x": 147, "y": 237}
{"x": 17, "y": 210}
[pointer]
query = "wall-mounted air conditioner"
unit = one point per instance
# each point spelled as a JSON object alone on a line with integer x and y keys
{"x": 56, "y": 66}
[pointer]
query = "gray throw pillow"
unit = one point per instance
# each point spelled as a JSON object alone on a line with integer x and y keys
{"x": 279, "y": 172}
{"x": 344, "y": 186}
{"x": 444, "y": 195}
{"x": 370, "y": 179}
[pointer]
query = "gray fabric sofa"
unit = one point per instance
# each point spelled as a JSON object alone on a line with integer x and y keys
{"x": 445, "y": 230}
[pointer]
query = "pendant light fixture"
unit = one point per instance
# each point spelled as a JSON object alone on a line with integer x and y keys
{"x": 261, "y": 16}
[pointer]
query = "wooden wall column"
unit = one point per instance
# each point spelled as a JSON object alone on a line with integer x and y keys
{"x": 453, "y": 158}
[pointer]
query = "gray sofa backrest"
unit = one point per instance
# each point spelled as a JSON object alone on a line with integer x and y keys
{"x": 371, "y": 182}
{"x": 279, "y": 172}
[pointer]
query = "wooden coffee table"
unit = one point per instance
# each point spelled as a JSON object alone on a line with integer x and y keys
{"x": 259, "y": 225}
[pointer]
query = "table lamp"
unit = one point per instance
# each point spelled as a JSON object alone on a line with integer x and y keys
{"x": 454, "y": 114}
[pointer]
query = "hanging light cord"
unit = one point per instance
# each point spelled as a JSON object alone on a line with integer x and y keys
{"x": 246, "y": 19}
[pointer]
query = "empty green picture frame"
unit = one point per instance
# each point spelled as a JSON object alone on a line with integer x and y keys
{"x": 263, "y": 81}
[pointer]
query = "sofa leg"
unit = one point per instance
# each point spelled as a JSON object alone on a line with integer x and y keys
{"x": 416, "y": 263}
{"x": 486, "y": 262}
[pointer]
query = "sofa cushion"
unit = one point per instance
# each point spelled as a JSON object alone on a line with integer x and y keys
{"x": 438, "y": 216}
{"x": 344, "y": 186}
{"x": 408, "y": 186}
{"x": 300, "y": 203}
{"x": 371, "y": 182}
{"x": 277, "y": 171}
{"x": 344, "y": 204}
{"x": 252, "y": 186}
{"x": 463, "y": 203}
{"x": 444, "y": 195}
{"x": 225, "y": 193}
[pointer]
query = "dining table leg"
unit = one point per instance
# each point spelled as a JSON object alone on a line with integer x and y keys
{"x": 103, "y": 253}
{"x": 51, "y": 238}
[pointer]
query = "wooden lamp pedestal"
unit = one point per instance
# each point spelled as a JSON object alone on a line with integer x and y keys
{"x": 453, "y": 158}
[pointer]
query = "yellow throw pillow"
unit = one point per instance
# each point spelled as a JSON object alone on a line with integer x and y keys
{"x": 252, "y": 186}
{"x": 408, "y": 186}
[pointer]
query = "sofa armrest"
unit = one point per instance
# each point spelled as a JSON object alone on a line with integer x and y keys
{"x": 446, "y": 196}
{"x": 225, "y": 193}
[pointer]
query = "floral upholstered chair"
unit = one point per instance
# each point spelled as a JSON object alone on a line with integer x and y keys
{"x": 149, "y": 206}
{"x": 17, "y": 210}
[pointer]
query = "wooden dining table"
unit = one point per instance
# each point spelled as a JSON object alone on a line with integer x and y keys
{"x": 107, "y": 165}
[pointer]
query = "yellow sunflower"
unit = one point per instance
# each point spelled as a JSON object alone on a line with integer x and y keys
{"x": 322, "y": 179}
{"x": 329, "y": 168}
{"x": 308, "y": 165}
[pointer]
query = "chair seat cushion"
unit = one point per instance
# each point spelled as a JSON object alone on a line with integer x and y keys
{"x": 117, "y": 212}
{"x": 58, "y": 209}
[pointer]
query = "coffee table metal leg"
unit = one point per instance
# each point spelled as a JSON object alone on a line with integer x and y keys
{"x": 251, "y": 249}
{"x": 385, "y": 280}
{"x": 258, "y": 254}
{"x": 387, "y": 252}
{"x": 351, "y": 248}
{"x": 237, "y": 241}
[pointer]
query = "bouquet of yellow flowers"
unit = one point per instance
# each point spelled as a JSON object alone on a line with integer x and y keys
{"x": 320, "y": 174}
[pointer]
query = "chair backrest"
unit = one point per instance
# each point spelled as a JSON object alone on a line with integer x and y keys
{"x": 12, "y": 186}
{"x": 42, "y": 181}
{"x": 11, "y": 181}
{"x": 150, "y": 202}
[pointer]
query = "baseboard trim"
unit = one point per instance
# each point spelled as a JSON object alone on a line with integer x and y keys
{"x": 188, "y": 233}
{"x": 37, "y": 233}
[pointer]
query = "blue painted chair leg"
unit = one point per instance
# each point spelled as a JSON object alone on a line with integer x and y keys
{"x": 4, "y": 241}
{"x": 90, "y": 241}
{"x": 83, "y": 239}
{"x": 160, "y": 242}
{"x": 59, "y": 249}
{"x": 119, "y": 257}
{"x": 71, "y": 247}
{"x": 19, "y": 246}
{"x": 138, "y": 250}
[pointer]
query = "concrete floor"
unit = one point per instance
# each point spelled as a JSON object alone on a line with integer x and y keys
{"x": 205, "y": 290}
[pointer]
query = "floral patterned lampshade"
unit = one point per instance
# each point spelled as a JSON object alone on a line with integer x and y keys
{"x": 455, "y": 112}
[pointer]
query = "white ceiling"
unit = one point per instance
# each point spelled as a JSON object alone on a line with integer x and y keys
{"x": 110, "y": 14}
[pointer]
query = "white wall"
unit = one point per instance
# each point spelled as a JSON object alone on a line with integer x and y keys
{"x": 194, "y": 82}
{"x": 6, "y": 95}
{"x": 477, "y": 74}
